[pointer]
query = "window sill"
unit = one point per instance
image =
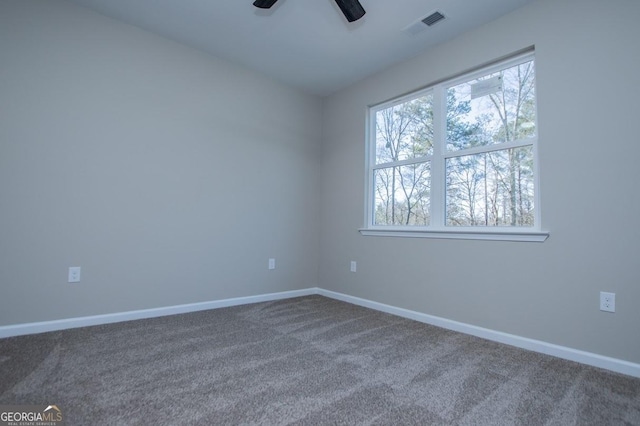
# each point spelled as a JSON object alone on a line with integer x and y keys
{"x": 494, "y": 235}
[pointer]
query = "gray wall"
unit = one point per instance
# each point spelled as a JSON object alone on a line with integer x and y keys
{"x": 169, "y": 176}
{"x": 588, "y": 94}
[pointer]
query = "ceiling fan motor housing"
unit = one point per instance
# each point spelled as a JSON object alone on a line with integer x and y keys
{"x": 352, "y": 9}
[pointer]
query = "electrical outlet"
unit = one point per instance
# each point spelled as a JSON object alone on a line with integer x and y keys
{"x": 607, "y": 301}
{"x": 272, "y": 264}
{"x": 74, "y": 274}
{"x": 354, "y": 266}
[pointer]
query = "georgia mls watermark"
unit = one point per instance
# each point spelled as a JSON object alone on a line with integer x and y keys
{"x": 30, "y": 415}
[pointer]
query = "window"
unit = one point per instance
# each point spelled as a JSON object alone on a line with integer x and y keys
{"x": 458, "y": 159}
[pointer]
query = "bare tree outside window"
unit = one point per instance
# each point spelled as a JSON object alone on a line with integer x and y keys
{"x": 484, "y": 155}
{"x": 493, "y": 188}
{"x": 404, "y": 133}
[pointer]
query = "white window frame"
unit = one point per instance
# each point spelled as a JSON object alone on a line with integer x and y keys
{"x": 437, "y": 227}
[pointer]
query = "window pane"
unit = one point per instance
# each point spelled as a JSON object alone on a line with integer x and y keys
{"x": 495, "y": 108}
{"x": 491, "y": 189}
{"x": 402, "y": 195}
{"x": 405, "y": 131}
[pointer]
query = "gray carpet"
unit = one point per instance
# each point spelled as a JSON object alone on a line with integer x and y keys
{"x": 309, "y": 360}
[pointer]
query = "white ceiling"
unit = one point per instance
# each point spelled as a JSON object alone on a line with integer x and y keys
{"x": 305, "y": 43}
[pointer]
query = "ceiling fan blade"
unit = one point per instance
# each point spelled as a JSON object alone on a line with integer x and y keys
{"x": 264, "y": 4}
{"x": 352, "y": 9}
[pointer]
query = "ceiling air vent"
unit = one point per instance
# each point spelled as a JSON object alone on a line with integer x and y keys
{"x": 433, "y": 18}
{"x": 424, "y": 22}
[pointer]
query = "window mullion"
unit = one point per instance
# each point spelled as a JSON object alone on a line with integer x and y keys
{"x": 502, "y": 146}
{"x": 410, "y": 161}
{"x": 437, "y": 164}
{"x": 371, "y": 159}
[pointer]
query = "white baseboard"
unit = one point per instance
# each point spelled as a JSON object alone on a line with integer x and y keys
{"x": 588, "y": 358}
{"x": 63, "y": 324}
